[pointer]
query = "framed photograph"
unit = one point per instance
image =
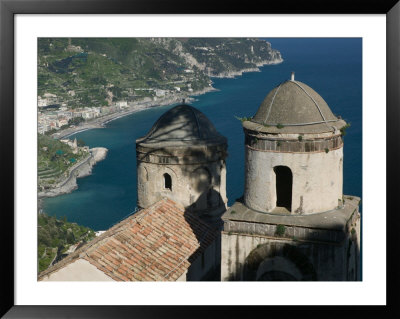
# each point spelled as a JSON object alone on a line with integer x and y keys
{"x": 231, "y": 121}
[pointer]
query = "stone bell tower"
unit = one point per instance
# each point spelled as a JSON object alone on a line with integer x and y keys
{"x": 293, "y": 222}
{"x": 294, "y": 153}
{"x": 183, "y": 158}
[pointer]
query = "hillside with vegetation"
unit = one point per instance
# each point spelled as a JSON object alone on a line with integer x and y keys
{"x": 221, "y": 56}
{"x": 54, "y": 159}
{"x": 56, "y": 236}
{"x": 99, "y": 71}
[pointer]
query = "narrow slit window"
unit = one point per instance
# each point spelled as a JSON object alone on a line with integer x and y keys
{"x": 167, "y": 182}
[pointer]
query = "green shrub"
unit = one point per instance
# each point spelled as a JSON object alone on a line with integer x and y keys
{"x": 75, "y": 120}
{"x": 279, "y": 125}
{"x": 242, "y": 119}
{"x": 343, "y": 129}
{"x": 300, "y": 138}
{"x": 326, "y": 150}
{"x": 280, "y": 230}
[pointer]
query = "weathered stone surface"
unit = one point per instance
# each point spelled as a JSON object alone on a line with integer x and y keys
{"x": 183, "y": 158}
{"x": 184, "y": 126}
{"x": 292, "y": 145}
{"x": 335, "y": 220}
{"x": 262, "y": 246}
{"x": 317, "y": 179}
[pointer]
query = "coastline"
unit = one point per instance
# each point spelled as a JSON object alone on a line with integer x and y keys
{"x": 81, "y": 169}
{"x": 140, "y": 106}
{"x": 84, "y": 167}
{"x": 100, "y": 122}
{"x": 234, "y": 74}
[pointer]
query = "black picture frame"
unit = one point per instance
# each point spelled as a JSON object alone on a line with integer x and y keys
{"x": 8, "y": 10}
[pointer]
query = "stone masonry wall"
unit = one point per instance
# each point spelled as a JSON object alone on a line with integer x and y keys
{"x": 300, "y": 144}
{"x": 316, "y": 254}
{"x": 317, "y": 180}
{"x": 328, "y": 260}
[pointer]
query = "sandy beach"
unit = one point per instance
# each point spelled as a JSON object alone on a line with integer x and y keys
{"x": 100, "y": 122}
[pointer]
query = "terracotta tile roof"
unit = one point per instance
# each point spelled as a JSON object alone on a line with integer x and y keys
{"x": 156, "y": 244}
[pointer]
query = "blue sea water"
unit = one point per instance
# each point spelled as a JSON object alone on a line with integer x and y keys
{"x": 331, "y": 66}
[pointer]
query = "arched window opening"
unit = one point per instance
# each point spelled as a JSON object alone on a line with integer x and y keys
{"x": 167, "y": 182}
{"x": 284, "y": 184}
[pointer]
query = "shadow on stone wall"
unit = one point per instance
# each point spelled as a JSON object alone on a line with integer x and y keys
{"x": 304, "y": 260}
{"x": 182, "y": 122}
{"x": 209, "y": 206}
{"x": 198, "y": 159}
{"x": 281, "y": 263}
{"x": 208, "y": 265}
{"x": 184, "y": 137}
{"x": 286, "y": 252}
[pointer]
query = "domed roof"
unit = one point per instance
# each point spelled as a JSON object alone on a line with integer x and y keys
{"x": 293, "y": 107}
{"x": 182, "y": 125}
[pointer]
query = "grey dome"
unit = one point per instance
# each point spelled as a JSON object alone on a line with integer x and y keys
{"x": 182, "y": 125}
{"x": 296, "y": 107}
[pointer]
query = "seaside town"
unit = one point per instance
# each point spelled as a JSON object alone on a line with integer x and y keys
{"x": 54, "y": 115}
{"x": 84, "y": 79}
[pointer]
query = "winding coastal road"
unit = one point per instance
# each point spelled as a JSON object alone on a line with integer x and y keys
{"x": 97, "y": 154}
{"x": 73, "y": 169}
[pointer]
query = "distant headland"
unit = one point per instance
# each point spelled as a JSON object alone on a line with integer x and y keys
{"x": 85, "y": 82}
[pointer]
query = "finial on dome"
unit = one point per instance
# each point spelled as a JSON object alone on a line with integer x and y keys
{"x": 292, "y": 77}
{"x": 183, "y": 101}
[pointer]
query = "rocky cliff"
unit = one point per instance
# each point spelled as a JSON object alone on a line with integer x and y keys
{"x": 81, "y": 169}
